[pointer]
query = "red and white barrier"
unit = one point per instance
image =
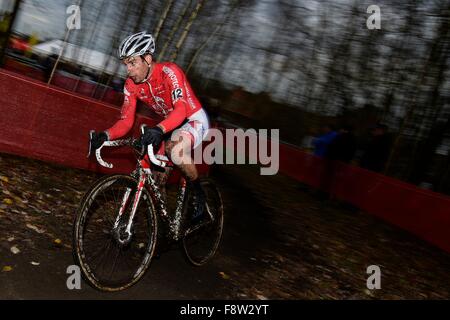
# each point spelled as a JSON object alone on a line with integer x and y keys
{"x": 422, "y": 212}
{"x": 52, "y": 124}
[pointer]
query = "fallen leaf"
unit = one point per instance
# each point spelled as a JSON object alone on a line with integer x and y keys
{"x": 11, "y": 239}
{"x": 368, "y": 292}
{"x": 7, "y": 201}
{"x": 261, "y": 297}
{"x": 19, "y": 201}
{"x": 57, "y": 241}
{"x": 7, "y": 268}
{"x": 224, "y": 275}
{"x": 4, "y": 179}
{"x": 34, "y": 208}
{"x": 32, "y": 227}
{"x": 35, "y": 263}
{"x": 15, "y": 250}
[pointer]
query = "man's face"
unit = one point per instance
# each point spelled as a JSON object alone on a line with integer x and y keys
{"x": 137, "y": 68}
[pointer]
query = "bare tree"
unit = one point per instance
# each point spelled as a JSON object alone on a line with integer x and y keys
{"x": 8, "y": 31}
{"x": 187, "y": 29}
{"x": 163, "y": 19}
{"x": 174, "y": 29}
{"x": 212, "y": 35}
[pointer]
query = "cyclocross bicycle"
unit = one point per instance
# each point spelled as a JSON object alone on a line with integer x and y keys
{"x": 122, "y": 217}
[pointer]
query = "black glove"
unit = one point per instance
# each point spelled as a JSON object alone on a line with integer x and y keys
{"x": 97, "y": 140}
{"x": 152, "y": 136}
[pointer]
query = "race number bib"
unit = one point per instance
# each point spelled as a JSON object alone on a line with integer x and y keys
{"x": 177, "y": 94}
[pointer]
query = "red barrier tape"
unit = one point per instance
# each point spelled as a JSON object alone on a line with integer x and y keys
{"x": 67, "y": 82}
{"x": 16, "y": 66}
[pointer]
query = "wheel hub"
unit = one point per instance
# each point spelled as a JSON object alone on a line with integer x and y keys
{"x": 121, "y": 235}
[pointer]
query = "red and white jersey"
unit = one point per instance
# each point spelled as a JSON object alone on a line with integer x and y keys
{"x": 167, "y": 92}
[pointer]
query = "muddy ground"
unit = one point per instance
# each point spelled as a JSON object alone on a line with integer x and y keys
{"x": 280, "y": 241}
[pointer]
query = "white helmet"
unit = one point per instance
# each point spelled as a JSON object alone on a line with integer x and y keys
{"x": 136, "y": 45}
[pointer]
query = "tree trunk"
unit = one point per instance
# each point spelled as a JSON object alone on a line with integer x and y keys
{"x": 94, "y": 29}
{"x": 433, "y": 55}
{"x": 175, "y": 27}
{"x": 8, "y": 32}
{"x": 114, "y": 44}
{"x": 55, "y": 66}
{"x": 140, "y": 15}
{"x": 187, "y": 29}
{"x": 197, "y": 52}
{"x": 162, "y": 20}
{"x": 422, "y": 157}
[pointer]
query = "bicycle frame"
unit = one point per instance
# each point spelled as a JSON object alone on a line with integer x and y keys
{"x": 175, "y": 220}
{"x": 144, "y": 175}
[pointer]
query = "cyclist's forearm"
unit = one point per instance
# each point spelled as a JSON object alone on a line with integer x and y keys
{"x": 124, "y": 125}
{"x": 121, "y": 128}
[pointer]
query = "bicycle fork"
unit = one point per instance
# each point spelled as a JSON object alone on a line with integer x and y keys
{"x": 122, "y": 209}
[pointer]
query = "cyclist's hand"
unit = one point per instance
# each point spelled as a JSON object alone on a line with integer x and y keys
{"x": 152, "y": 136}
{"x": 96, "y": 140}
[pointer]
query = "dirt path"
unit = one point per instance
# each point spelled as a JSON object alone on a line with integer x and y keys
{"x": 280, "y": 242}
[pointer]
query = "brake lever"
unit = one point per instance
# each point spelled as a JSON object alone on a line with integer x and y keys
{"x": 141, "y": 149}
{"x": 91, "y": 134}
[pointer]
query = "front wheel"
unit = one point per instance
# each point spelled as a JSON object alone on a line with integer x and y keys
{"x": 201, "y": 244}
{"x": 110, "y": 258}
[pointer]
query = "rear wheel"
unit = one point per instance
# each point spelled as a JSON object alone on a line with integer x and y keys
{"x": 201, "y": 244}
{"x": 111, "y": 259}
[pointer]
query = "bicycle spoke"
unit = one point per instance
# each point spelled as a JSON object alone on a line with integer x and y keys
{"x": 118, "y": 202}
{"x": 114, "y": 262}
{"x": 201, "y": 241}
{"x": 92, "y": 257}
{"x": 101, "y": 249}
{"x": 97, "y": 239}
{"x": 110, "y": 264}
{"x": 106, "y": 217}
{"x": 105, "y": 252}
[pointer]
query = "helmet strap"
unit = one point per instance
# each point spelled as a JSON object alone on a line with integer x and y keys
{"x": 148, "y": 71}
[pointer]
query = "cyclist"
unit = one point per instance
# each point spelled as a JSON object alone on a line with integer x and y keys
{"x": 163, "y": 87}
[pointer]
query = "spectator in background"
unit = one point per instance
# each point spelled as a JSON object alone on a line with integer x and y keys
{"x": 321, "y": 142}
{"x": 377, "y": 151}
{"x": 307, "y": 143}
{"x": 341, "y": 149}
{"x": 343, "y": 146}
